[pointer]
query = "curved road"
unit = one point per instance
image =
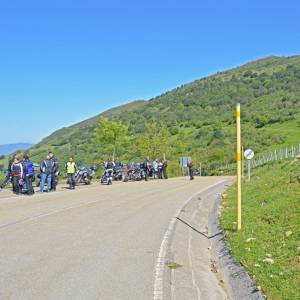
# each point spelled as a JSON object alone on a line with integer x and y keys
{"x": 99, "y": 242}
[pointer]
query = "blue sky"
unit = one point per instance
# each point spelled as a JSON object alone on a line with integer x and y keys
{"x": 63, "y": 61}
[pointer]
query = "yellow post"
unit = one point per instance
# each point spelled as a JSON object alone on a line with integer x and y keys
{"x": 238, "y": 162}
{"x": 243, "y": 166}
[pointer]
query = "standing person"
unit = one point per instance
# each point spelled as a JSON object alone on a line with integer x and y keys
{"x": 28, "y": 173}
{"x": 160, "y": 168}
{"x": 17, "y": 174}
{"x": 109, "y": 164}
{"x": 204, "y": 171}
{"x": 46, "y": 173}
{"x": 109, "y": 170}
{"x": 146, "y": 168}
{"x": 55, "y": 171}
{"x": 155, "y": 168}
{"x": 191, "y": 169}
{"x": 71, "y": 169}
{"x": 8, "y": 176}
{"x": 164, "y": 168}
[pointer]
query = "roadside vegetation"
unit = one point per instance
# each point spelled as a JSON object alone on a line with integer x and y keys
{"x": 268, "y": 245}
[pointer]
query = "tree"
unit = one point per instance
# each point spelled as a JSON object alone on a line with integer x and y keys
{"x": 181, "y": 144}
{"x": 110, "y": 134}
{"x": 155, "y": 142}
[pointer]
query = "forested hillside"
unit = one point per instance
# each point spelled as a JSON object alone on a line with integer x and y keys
{"x": 200, "y": 116}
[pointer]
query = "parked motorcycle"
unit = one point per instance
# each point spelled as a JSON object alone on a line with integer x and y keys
{"x": 84, "y": 175}
{"x": 107, "y": 177}
{"x": 118, "y": 173}
{"x": 134, "y": 173}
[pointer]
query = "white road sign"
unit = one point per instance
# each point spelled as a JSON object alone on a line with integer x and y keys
{"x": 249, "y": 154}
{"x": 184, "y": 161}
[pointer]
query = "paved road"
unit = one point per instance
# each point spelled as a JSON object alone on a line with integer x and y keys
{"x": 100, "y": 242}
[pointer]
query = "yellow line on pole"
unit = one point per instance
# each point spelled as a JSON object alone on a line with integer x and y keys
{"x": 238, "y": 162}
{"x": 243, "y": 163}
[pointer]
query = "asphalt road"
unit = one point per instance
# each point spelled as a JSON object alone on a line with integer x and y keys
{"x": 99, "y": 242}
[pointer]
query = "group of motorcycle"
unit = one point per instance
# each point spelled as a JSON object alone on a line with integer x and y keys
{"x": 125, "y": 173}
{"x": 130, "y": 172}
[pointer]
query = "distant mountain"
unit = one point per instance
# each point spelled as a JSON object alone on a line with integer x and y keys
{"x": 10, "y": 148}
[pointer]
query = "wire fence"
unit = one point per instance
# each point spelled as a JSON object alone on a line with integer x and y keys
{"x": 275, "y": 155}
{"x": 281, "y": 154}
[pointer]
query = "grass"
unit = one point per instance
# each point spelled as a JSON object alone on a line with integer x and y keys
{"x": 268, "y": 245}
{"x": 289, "y": 130}
{"x": 173, "y": 265}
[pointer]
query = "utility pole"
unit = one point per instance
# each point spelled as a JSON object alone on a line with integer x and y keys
{"x": 238, "y": 162}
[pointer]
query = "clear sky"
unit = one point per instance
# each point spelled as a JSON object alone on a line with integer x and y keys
{"x": 62, "y": 61}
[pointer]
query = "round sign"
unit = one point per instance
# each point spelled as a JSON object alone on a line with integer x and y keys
{"x": 249, "y": 154}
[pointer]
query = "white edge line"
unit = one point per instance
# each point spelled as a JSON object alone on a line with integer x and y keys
{"x": 190, "y": 260}
{"x": 161, "y": 259}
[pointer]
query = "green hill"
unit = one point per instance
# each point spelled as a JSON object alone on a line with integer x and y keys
{"x": 200, "y": 116}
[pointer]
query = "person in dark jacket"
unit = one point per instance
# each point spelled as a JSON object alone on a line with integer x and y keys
{"x": 160, "y": 170}
{"x": 110, "y": 164}
{"x": 146, "y": 166}
{"x": 191, "y": 169}
{"x": 28, "y": 174}
{"x": 8, "y": 177}
{"x": 164, "y": 169}
{"x": 46, "y": 173}
{"x": 55, "y": 172}
{"x": 17, "y": 175}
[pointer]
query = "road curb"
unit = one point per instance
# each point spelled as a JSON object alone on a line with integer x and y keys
{"x": 238, "y": 283}
{"x": 158, "y": 291}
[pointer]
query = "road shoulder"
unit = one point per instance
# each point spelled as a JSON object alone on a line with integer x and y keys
{"x": 197, "y": 263}
{"x": 238, "y": 282}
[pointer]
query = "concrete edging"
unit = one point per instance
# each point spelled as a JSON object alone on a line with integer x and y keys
{"x": 158, "y": 291}
{"x": 238, "y": 283}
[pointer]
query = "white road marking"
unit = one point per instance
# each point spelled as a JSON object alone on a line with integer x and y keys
{"x": 161, "y": 259}
{"x": 190, "y": 261}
